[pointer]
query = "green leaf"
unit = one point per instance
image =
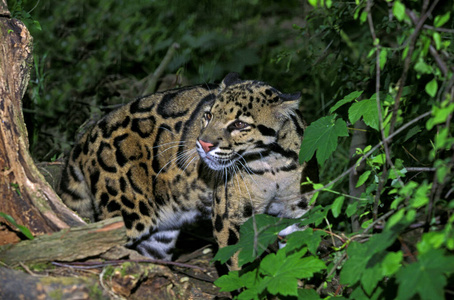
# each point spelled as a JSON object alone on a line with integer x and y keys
{"x": 440, "y": 114}
{"x": 224, "y": 254}
{"x": 379, "y": 159}
{"x": 442, "y": 139}
{"x": 423, "y": 68}
{"x": 431, "y": 240}
{"x": 314, "y": 216}
{"x": 347, "y": 99}
{"x": 352, "y": 208}
{"x": 437, "y": 39}
{"x": 328, "y": 3}
{"x": 432, "y": 87}
{"x": 399, "y": 10}
{"x": 321, "y": 136}
{"x": 229, "y": 282}
{"x": 313, "y": 3}
{"x": 363, "y": 17}
{"x": 383, "y": 57}
{"x": 356, "y": 263}
{"x": 308, "y": 294}
{"x": 362, "y": 179}
{"x": 367, "y": 109}
{"x": 420, "y": 197}
{"x": 366, "y": 224}
{"x": 336, "y": 207}
{"x": 426, "y": 276}
{"x": 24, "y": 230}
{"x": 412, "y": 132}
{"x": 235, "y": 280}
{"x": 371, "y": 274}
{"x": 300, "y": 239}
{"x": 263, "y": 232}
{"x": 442, "y": 167}
{"x": 442, "y": 19}
{"x": 284, "y": 272}
{"x": 391, "y": 263}
{"x": 37, "y": 25}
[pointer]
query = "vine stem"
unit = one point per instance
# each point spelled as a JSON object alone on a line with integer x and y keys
{"x": 331, "y": 233}
{"x": 333, "y": 269}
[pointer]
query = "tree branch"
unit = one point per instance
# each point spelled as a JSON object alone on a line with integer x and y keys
{"x": 150, "y": 85}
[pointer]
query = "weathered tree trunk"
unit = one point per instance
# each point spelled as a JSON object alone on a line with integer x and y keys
{"x": 24, "y": 194}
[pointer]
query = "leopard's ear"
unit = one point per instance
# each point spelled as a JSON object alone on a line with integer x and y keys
{"x": 291, "y": 97}
{"x": 287, "y": 105}
{"x": 230, "y": 79}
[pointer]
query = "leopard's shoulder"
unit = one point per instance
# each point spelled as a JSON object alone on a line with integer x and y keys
{"x": 112, "y": 170}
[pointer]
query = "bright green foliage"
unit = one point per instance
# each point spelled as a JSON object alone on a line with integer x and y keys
{"x": 432, "y": 87}
{"x": 347, "y": 99}
{"x": 278, "y": 273}
{"x": 440, "y": 20}
{"x": 399, "y": 10}
{"x": 308, "y": 238}
{"x": 440, "y": 114}
{"x": 24, "y": 230}
{"x": 367, "y": 109}
{"x": 336, "y": 207}
{"x": 284, "y": 271}
{"x": 256, "y": 235}
{"x": 426, "y": 276}
{"x": 321, "y": 136}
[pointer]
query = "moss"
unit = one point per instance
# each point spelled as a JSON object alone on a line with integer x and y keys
{"x": 56, "y": 294}
{"x": 95, "y": 292}
{"x": 42, "y": 266}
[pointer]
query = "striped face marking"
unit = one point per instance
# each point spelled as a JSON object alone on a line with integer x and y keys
{"x": 241, "y": 125}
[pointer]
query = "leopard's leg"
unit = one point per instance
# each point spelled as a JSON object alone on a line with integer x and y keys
{"x": 157, "y": 245}
{"x": 294, "y": 208}
{"x": 230, "y": 210}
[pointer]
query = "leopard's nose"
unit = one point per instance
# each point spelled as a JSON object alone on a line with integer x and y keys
{"x": 206, "y": 146}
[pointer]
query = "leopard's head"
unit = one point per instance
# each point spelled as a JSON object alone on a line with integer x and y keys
{"x": 243, "y": 122}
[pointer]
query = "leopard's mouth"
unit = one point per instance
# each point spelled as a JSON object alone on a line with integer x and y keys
{"x": 216, "y": 163}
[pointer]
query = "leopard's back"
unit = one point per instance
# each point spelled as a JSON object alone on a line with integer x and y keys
{"x": 138, "y": 162}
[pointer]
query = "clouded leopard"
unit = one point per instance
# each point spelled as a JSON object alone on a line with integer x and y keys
{"x": 223, "y": 152}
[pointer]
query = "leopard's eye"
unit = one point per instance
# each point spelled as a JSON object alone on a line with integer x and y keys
{"x": 208, "y": 116}
{"x": 239, "y": 125}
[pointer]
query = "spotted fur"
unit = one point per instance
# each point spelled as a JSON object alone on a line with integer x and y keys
{"x": 221, "y": 152}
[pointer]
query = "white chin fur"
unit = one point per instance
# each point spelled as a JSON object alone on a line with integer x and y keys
{"x": 212, "y": 162}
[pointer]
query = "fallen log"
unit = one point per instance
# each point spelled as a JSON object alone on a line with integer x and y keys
{"x": 69, "y": 244}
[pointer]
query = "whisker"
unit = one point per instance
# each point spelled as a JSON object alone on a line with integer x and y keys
{"x": 177, "y": 158}
{"x": 234, "y": 173}
{"x": 247, "y": 189}
{"x": 161, "y": 127}
{"x": 160, "y": 153}
{"x": 169, "y": 143}
{"x": 187, "y": 160}
{"x": 247, "y": 169}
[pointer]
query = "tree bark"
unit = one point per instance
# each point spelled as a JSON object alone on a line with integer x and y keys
{"x": 72, "y": 244}
{"x": 24, "y": 194}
